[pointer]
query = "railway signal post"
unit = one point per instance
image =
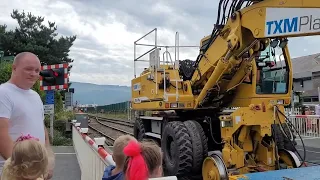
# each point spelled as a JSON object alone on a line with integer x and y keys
{"x": 53, "y": 77}
{"x": 49, "y": 108}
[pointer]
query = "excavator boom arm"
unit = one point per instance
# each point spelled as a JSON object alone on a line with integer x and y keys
{"x": 244, "y": 31}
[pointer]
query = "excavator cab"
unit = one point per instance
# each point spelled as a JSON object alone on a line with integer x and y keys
{"x": 272, "y": 71}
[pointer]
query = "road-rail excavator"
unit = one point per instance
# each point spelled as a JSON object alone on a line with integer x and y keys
{"x": 222, "y": 115}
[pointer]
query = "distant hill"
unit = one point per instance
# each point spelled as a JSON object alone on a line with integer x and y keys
{"x": 87, "y": 93}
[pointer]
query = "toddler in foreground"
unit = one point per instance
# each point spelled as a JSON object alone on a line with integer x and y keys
{"x": 29, "y": 160}
{"x": 116, "y": 172}
{"x": 144, "y": 160}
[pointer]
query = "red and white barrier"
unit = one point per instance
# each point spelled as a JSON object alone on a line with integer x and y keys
{"x": 306, "y": 125}
{"x": 304, "y": 116}
{"x": 100, "y": 150}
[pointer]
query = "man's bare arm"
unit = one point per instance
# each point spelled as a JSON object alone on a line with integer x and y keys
{"x": 6, "y": 143}
{"x": 47, "y": 136}
{"x": 51, "y": 155}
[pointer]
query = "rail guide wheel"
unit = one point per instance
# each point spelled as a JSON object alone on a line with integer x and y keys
{"x": 213, "y": 168}
{"x": 288, "y": 159}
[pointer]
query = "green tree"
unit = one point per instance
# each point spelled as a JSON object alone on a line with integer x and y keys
{"x": 36, "y": 88}
{"x": 33, "y": 36}
{"x": 5, "y": 72}
{"x": 58, "y": 107}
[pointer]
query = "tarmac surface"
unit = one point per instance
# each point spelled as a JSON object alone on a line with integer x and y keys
{"x": 66, "y": 165}
{"x": 312, "y": 146}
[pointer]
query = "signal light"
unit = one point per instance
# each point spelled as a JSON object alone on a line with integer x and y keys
{"x": 54, "y": 77}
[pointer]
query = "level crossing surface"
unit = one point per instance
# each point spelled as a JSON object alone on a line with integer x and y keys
{"x": 67, "y": 166}
{"x": 312, "y": 146}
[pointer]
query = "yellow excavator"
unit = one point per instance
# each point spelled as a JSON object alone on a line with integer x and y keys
{"x": 221, "y": 116}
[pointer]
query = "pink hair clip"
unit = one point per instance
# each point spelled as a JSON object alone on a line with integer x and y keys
{"x": 26, "y": 137}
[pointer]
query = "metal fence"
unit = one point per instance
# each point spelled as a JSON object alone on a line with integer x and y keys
{"x": 307, "y": 125}
{"x": 118, "y": 107}
{"x": 120, "y": 110}
{"x": 123, "y": 110}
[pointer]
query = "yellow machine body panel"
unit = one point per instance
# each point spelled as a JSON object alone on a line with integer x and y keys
{"x": 148, "y": 96}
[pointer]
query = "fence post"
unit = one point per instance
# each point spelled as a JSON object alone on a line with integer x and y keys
{"x": 128, "y": 111}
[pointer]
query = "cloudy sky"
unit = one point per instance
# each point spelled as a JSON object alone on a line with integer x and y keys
{"x": 106, "y": 31}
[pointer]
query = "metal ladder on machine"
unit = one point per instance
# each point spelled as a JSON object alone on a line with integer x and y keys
{"x": 176, "y": 66}
{"x": 155, "y": 61}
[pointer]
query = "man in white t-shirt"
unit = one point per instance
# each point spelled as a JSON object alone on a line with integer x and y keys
{"x": 21, "y": 108}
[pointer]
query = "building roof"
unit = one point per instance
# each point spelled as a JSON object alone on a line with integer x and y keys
{"x": 309, "y": 63}
{"x": 304, "y": 66}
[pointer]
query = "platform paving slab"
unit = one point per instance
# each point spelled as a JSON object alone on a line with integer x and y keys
{"x": 66, "y": 165}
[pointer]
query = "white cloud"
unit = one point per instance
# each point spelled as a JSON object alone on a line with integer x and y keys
{"x": 106, "y": 30}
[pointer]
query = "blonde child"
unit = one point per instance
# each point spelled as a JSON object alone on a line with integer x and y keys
{"x": 29, "y": 160}
{"x": 116, "y": 172}
{"x": 144, "y": 160}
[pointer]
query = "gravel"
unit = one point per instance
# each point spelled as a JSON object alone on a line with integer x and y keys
{"x": 111, "y": 134}
{"x": 119, "y": 126}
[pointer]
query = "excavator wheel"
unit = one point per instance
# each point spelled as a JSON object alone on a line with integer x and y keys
{"x": 138, "y": 130}
{"x": 278, "y": 135}
{"x": 288, "y": 143}
{"x": 191, "y": 177}
{"x": 177, "y": 148}
{"x": 199, "y": 143}
{"x": 288, "y": 159}
{"x": 282, "y": 141}
{"x": 214, "y": 168}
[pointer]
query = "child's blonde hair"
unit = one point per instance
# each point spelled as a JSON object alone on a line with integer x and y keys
{"x": 118, "y": 156}
{"x": 29, "y": 160}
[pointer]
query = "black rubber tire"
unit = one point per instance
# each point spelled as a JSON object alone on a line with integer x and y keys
{"x": 139, "y": 130}
{"x": 199, "y": 144}
{"x": 177, "y": 149}
{"x": 278, "y": 136}
{"x": 191, "y": 177}
{"x": 288, "y": 144}
{"x": 204, "y": 140}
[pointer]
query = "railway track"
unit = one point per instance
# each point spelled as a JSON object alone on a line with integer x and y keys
{"x": 108, "y": 128}
{"x": 115, "y": 121}
{"x": 94, "y": 132}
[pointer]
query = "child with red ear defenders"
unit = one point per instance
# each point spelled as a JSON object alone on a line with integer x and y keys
{"x": 116, "y": 172}
{"x": 144, "y": 160}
